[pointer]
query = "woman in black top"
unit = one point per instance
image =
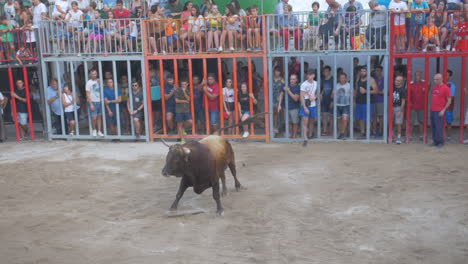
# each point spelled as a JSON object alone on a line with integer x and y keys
{"x": 244, "y": 106}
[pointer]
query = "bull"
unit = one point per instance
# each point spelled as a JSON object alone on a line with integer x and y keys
{"x": 201, "y": 164}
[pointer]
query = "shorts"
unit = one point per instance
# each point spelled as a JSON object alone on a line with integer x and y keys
{"x": 156, "y": 105}
{"x": 342, "y": 111}
{"x": 326, "y": 106}
{"x": 417, "y": 117}
{"x": 138, "y": 115}
{"x": 398, "y": 119}
{"x": 449, "y": 117}
{"x": 171, "y": 38}
{"x": 214, "y": 29}
{"x": 132, "y": 38}
{"x": 400, "y": 30}
{"x": 294, "y": 116}
{"x": 97, "y": 109}
{"x": 247, "y": 112}
{"x": 70, "y": 116}
{"x": 214, "y": 117}
{"x": 23, "y": 118}
{"x": 230, "y": 106}
{"x": 312, "y": 112}
{"x": 170, "y": 109}
{"x": 182, "y": 117}
{"x": 93, "y": 36}
{"x": 200, "y": 114}
{"x": 379, "y": 109}
{"x": 416, "y": 29}
{"x": 361, "y": 111}
{"x": 158, "y": 35}
{"x": 111, "y": 120}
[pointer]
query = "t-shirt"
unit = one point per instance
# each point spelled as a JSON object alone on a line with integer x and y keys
{"x": 155, "y": 88}
{"x": 198, "y": 96}
{"x": 228, "y": 95}
{"x": 277, "y": 88}
{"x": 327, "y": 90}
{"x": 379, "y": 98}
{"x": 399, "y": 94}
{"x": 343, "y": 94}
{"x": 175, "y": 9}
{"x": 295, "y": 89}
{"x": 74, "y": 17}
{"x": 453, "y": 91}
{"x": 213, "y": 104}
{"x": 10, "y": 13}
{"x": 110, "y": 95}
{"x": 310, "y": 89}
{"x": 21, "y": 106}
{"x": 361, "y": 98}
{"x": 94, "y": 87}
{"x": 37, "y": 14}
{"x": 6, "y": 36}
{"x": 244, "y": 101}
{"x": 401, "y": 6}
{"x": 378, "y": 19}
{"x": 55, "y": 105}
{"x": 137, "y": 100}
{"x": 125, "y": 13}
{"x": 83, "y": 4}
{"x": 429, "y": 32}
{"x": 440, "y": 95}
{"x": 170, "y": 103}
{"x": 1, "y": 105}
{"x": 419, "y": 18}
{"x": 182, "y": 107}
{"x": 124, "y": 91}
{"x": 65, "y": 5}
{"x": 418, "y": 91}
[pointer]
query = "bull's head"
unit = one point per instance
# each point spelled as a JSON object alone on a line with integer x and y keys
{"x": 176, "y": 160}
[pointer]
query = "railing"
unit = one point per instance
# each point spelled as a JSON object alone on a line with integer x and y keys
{"x": 204, "y": 35}
{"x": 346, "y": 31}
{"x": 433, "y": 32}
{"x": 91, "y": 37}
{"x": 18, "y": 46}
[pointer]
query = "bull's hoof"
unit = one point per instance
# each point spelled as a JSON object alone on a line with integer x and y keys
{"x": 224, "y": 193}
{"x": 240, "y": 187}
{"x": 172, "y": 209}
{"x": 220, "y": 212}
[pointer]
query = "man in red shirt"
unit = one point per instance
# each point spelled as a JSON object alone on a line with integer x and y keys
{"x": 212, "y": 92}
{"x": 418, "y": 90}
{"x": 441, "y": 99}
{"x": 120, "y": 13}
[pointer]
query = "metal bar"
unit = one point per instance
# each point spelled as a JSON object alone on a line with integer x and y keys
{"x": 236, "y": 93}
{"x": 207, "y": 113}
{"x": 103, "y": 107}
{"x": 408, "y": 99}
{"x": 130, "y": 95}
{"x": 176, "y": 74}
{"x": 221, "y": 95}
{"x": 285, "y": 97}
{"x": 249, "y": 67}
{"x": 148, "y": 114}
{"x": 462, "y": 100}
{"x": 13, "y": 104}
{"x": 335, "y": 81}
{"x": 390, "y": 101}
{"x": 75, "y": 111}
{"x": 368, "y": 99}
{"x": 192, "y": 97}
{"x": 266, "y": 95}
{"x": 62, "y": 121}
{"x": 319, "y": 99}
{"x": 445, "y": 75}
{"x": 116, "y": 95}
{"x": 351, "y": 103}
{"x": 386, "y": 81}
{"x": 149, "y": 99}
{"x": 426, "y": 100}
{"x": 28, "y": 102}
{"x": 90, "y": 126}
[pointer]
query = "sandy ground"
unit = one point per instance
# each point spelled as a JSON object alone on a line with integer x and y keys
{"x": 88, "y": 202}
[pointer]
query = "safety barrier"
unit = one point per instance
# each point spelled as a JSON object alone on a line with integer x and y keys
{"x": 18, "y": 47}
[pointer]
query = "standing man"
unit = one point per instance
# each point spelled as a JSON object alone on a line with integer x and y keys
{"x": 53, "y": 99}
{"x": 198, "y": 101}
{"x": 399, "y": 98}
{"x": 21, "y": 108}
{"x": 293, "y": 92}
{"x": 39, "y": 13}
{"x": 182, "y": 108}
{"x": 378, "y": 101}
{"x": 326, "y": 103}
{"x": 449, "y": 113}
{"x": 418, "y": 91}
{"x": 93, "y": 96}
{"x": 309, "y": 106}
{"x": 137, "y": 112}
{"x": 3, "y": 103}
{"x": 441, "y": 100}
{"x": 360, "y": 95}
{"x": 211, "y": 90}
{"x": 111, "y": 101}
{"x": 342, "y": 95}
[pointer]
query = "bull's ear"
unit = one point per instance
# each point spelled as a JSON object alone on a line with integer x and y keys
{"x": 187, "y": 151}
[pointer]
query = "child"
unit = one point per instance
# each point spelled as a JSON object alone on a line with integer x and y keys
{"x": 228, "y": 94}
{"x": 430, "y": 33}
{"x": 308, "y": 106}
{"x": 70, "y": 105}
{"x": 254, "y": 23}
{"x": 132, "y": 36}
{"x": 74, "y": 17}
{"x": 244, "y": 106}
{"x": 113, "y": 32}
{"x": 461, "y": 29}
{"x": 30, "y": 36}
{"x": 454, "y": 19}
{"x": 96, "y": 30}
{"x": 7, "y": 39}
{"x": 23, "y": 54}
{"x": 231, "y": 27}
{"x": 171, "y": 35}
{"x": 197, "y": 29}
{"x": 182, "y": 108}
{"x": 215, "y": 29}
{"x": 311, "y": 34}
{"x": 350, "y": 29}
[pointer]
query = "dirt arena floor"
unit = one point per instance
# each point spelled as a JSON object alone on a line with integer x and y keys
{"x": 88, "y": 202}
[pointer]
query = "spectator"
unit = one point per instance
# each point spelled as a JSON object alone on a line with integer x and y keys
{"x": 294, "y": 67}
{"x": 430, "y": 33}
{"x": 293, "y": 95}
{"x": 137, "y": 8}
{"x": 212, "y": 92}
{"x": 459, "y": 30}
{"x": 121, "y": 13}
{"x": 326, "y": 100}
{"x": 331, "y": 28}
{"x": 311, "y": 34}
{"x": 244, "y": 106}
{"x": 449, "y": 111}
{"x": 39, "y": 12}
{"x": 83, "y": 5}
{"x": 169, "y": 92}
{"x": 289, "y": 24}
{"x": 399, "y": 98}
{"x": 123, "y": 86}
{"x": 7, "y": 39}
{"x": 111, "y": 100}
{"x": 378, "y": 101}
{"x": 206, "y": 7}
{"x": 70, "y": 105}
{"x": 22, "y": 14}
{"x": 231, "y": 28}
{"x": 214, "y": 29}
{"x": 156, "y": 104}
{"x": 241, "y": 12}
{"x": 399, "y": 9}
{"x": 137, "y": 112}
{"x": 418, "y": 93}
{"x": 198, "y": 101}
{"x": 3, "y": 103}
{"x": 279, "y": 10}
{"x": 96, "y": 34}
{"x": 455, "y": 5}
{"x": 197, "y": 30}
{"x": 278, "y": 84}
{"x": 10, "y": 12}
{"x": 93, "y": 96}
{"x": 377, "y": 29}
{"x": 350, "y": 29}
{"x": 228, "y": 96}
{"x": 333, "y": 4}
{"x": 21, "y": 108}
{"x": 354, "y": 3}
{"x": 74, "y": 17}
{"x": 419, "y": 8}
{"x": 53, "y": 99}
{"x": 342, "y": 95}
{"x": 161, "y": 3}
{"x": 308, "y": 106}
{"x": 23, "y": 54}
{"x": 157, "y": 30}
{"x": 183, "y": 116}
{"x": 61, "y": 8}
{"x": 441, "y": 100}
{"x": 174, "y": 8}
{"x": 171, "y": 34}
{"x": 360, "y": 96}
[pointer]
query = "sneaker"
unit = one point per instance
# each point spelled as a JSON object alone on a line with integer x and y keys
{"x": 71, "y": 134}
{"x": 437, "y": 49}
{"x": 398, "y": 140}
{"x": 440, "y": 145}
{"x": 249, "y": 49}
{"x": 155, "y": 53}
{"x": 182, "y": 141}
{"x": 341, "y": 136}
{"x": 246, "y": 134}
{"x": 424, "y": 50}
{"x": 304, "y": 144}
{"x": 449, "y": 47}
{"x": 231, "y": 49}
{"x": 94, "y": 133}
{"x": 421, "y": 138}
{"x": 100, "y": 134}
{"x": 454, "y": 49}
{"x": 220, "y": 49}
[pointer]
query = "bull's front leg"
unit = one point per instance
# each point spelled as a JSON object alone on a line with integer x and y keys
{"x": 182, "y": 187}
{"x": 216, "y": 197}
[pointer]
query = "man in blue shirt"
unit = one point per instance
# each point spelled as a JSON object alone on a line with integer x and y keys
{"x": 111, "y": 101}
{"x": 53, "y": 99}
{"x": 449, "y": 112}
{"x": 293, "y": 93}
{"x": 170, "y": 101}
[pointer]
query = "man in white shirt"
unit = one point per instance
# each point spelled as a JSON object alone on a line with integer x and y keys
{"x": 83, "y": 5}
{"x": 3, "y": 103}
{"x": 377, "y": 29}
{"x": 399, "y": 9}
{"x": 39, "y": 13}
{"x": 10, "y": 12}
{"x": 60, "y": 9}
{"x": 93, "y": 95}
{"x": 308, "y": 105}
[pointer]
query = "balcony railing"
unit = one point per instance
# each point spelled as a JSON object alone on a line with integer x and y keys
{"x": 327, "y": 31}
{"x": 18, "y": 46}
{"x": 204, "y": 35}
{"x": 101, "y": 37}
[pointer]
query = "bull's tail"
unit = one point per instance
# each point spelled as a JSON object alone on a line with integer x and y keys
{"x": 245, "y": 122}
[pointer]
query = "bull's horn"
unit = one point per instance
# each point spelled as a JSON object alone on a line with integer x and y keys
{"x": 187, "y": 150}
{"x": 165, "y": 143}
